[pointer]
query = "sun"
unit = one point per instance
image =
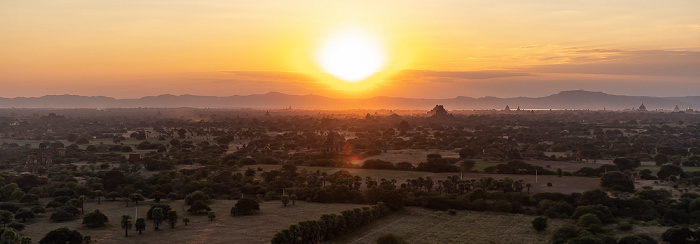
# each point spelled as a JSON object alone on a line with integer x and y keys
{"x": 351, "y": 55}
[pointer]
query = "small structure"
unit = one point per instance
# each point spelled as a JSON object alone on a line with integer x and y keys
{"x": 644, "y": 154}
{"x": 507, "y": 108}
{"x": 676, "y": 109}
{"x": 438, "y": 111}
{"x": 689, "y": 109}
{"x": 642, "y": 107}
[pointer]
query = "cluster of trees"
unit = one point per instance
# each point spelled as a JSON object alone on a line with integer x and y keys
{"x": 330, "y": 225}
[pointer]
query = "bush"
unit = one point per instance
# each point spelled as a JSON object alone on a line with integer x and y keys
{"x": 61, "y": 215}
{"x": 247, "y": 206}
{"x": 390, "y": 239}
{"x": 637, "y": 239}
{"x": 165, "y": 208}
{"x": 624, "y": 226}
{"x": 590, "y": 222}
{"x": 16, "y": 226}
{"x": 198, "y": 207}
{"x": 676, "y": 235}
{"x": 617, "y": 181}
{"x": 539, "y": 223}
{"x": 563, "y": 234}
{"x": 196, "y": 196}
{"x": 62, "y": 235}
{"x": 95, "y": 219}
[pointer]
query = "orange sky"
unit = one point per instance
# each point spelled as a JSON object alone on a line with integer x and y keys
{"x": 435, "y": 49}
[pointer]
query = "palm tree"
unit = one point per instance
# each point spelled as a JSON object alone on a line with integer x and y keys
{"x": 126, "y": 224}
{"x": 528, "y": 185}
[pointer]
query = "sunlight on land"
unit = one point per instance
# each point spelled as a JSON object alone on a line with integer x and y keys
{"x": 351, "y": 55}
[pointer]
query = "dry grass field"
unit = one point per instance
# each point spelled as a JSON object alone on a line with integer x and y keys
{"x": 259, "y": 228}
{"x": 418, "y": 225}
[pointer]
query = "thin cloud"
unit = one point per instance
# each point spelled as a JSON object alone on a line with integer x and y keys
{"x": 274, "y": 75}
{"x": 410, "y": 74}
{"x": 616, "y": 62}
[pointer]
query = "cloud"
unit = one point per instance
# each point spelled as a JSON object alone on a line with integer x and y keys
{"x": 410, "y": 74}
{"x": 274, "y": 75}
{"x": 619, "y": 62}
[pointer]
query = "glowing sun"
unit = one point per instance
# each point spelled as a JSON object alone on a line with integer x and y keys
{"x": 351, "y": 55}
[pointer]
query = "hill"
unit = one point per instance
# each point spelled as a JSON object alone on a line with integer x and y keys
{"x": 577, "y": 99}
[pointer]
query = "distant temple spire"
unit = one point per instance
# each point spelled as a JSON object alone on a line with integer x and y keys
{"x": 642, "y": 107}
{"x": 507, "y": 108}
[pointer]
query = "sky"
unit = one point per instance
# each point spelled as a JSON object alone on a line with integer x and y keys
{"x": 432, "y": 49}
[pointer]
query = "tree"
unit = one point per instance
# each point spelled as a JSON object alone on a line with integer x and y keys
{"x": 136, "y": 198}
{"x": 63, "y": 236}
{"x": 211, "y": 215}
{"x": 81, "y": 202}
{"x": 617, "y": 181}
{"x": 24, "y": 215}
{"x": 157, "y": 217}
{"x": 669, "y": 170}
{"x": 198, "y": 207}
{"x": 185, "y": 220}
{"x": 172, "y": 218}
{"x": 661, "y": 159}
{"x": 61, "y": 215}
{"x": 467, "y": 165}
{"x": 590, "y": 222}
{"x": 196, "y": 196}
{"x": 539, "y": 223}
{"x": 29, "y": 198}
{"x": 293, "y": 197}
{"x": 677, "y": 235}
{"x": 156, "y": 196}
{"x": 9, "y": 236}
{"x": 247, "y": 206}
{"x": 140, "y": 225}
{"x": 165, "y": 208}
{"x": 285, "y": 199}
{"x": 98, "y": 194}
{"x": 54, "y": 205}
{"x": 626, "y": 163}
{"x": 5, "y": 217}
{"x": 95, "y": 219}
{"x": 126, "y": 224}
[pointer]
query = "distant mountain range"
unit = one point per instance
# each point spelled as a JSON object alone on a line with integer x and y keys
{"x": 577, "y": 99}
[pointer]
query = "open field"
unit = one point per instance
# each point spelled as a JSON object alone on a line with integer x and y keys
{"x": 259, "y": 228}
{"x": 418, "y": 225}
{"x": 413, "y": 156}
{"x": 566, "y": 184}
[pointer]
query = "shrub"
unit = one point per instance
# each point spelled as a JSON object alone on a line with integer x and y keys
{"x": 539, "y": 223}
{"x": 637, "y": 239}
{"x": 247, "y": 206}
{"x": 390, "y": 239}
{"x": 624, "y": 226}
{"x": 590, "y": 222}
{"x": 62, "y": 235}
{"x": 61, "y": 215}
{"x": 196, "y": 196}
{"x": 165, "y": 208}
{"x": 198, "y": 207}
{"x": 95, "y": 219}
{"x": 563, "y": 234}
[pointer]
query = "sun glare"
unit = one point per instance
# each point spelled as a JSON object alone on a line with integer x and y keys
{"x": 351, "y": 55}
